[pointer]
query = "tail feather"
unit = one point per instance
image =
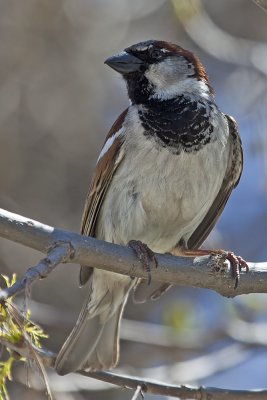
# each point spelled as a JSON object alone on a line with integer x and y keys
{"x": 93, "y": 343}
{"x": 106, "y": 354}
{"x": 81, "y": 341}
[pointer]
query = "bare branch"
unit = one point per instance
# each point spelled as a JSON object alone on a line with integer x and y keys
{"x": 182, "y": 392}
{"x": 211, "y": 272}
{"x": 151, "y": 386}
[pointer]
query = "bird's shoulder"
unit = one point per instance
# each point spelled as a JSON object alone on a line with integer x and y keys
{"x": 109, "y": 159}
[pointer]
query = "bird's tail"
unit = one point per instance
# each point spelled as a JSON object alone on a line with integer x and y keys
{"x": 93, "y": 343}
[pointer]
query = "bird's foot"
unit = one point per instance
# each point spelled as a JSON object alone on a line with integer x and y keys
{"x": 146, "y": 256}
{"x": 237, "y": 264}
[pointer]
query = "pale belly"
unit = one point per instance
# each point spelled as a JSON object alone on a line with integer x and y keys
{"x": 160, "y": 198}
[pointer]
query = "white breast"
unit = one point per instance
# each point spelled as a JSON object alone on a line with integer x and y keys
{"x": 158, "y": 197}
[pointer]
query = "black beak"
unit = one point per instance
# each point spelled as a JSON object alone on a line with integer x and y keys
{"x": 124, "y": 63}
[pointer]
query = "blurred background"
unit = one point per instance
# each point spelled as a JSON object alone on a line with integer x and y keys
{"x": 57, "y": 102}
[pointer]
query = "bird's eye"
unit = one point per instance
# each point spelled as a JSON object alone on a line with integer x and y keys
{"x": 156, "y": 53}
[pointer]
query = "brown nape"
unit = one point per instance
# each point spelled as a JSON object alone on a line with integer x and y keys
{"x": 200, "y": 70}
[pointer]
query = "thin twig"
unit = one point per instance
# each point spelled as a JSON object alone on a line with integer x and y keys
{"x": 137, "y": 393}
{"x": 55, "y": 256}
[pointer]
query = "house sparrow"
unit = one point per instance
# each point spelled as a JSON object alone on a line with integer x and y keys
{"x": 162, "y": 179}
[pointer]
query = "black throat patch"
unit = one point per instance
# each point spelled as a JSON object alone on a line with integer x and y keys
{"x": 179, "y": 123}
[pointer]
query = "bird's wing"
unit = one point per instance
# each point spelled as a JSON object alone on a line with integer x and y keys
{"x": 109, "y": 159}
{"x": 233, "y": 172}
{"x": 231, "y": 179}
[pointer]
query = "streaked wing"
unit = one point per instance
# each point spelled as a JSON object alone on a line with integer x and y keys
{"x": 109, "y": 160}
{"x": 231, "y": 179}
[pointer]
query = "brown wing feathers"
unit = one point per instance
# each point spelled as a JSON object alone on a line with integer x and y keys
{"x": 105, "y": 168}
{"x": 231, "y": 179}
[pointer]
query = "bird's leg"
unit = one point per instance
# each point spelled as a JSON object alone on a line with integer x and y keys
{"x": 145, "y": 255}
{"x": 237, "y": 263}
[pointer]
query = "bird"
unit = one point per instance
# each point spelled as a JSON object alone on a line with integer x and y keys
{"x": 162, "y": 179}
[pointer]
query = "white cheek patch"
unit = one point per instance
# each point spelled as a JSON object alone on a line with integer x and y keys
{"x": 166, "y": 74}
{"x": 170, "y": 79}
{"x": 189, "y": 86}
{"x": 109, "y": 143}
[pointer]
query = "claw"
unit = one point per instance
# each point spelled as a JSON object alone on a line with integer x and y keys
{"x": 237, "y": 264}
{"x": 145, "y": 255}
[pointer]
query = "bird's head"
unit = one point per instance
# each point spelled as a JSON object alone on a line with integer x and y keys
{"x": 160, "y": 70}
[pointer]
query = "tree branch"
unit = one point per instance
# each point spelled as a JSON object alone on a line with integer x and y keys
{"x": 211, "y": 272}
{"x": 182, "y": 392}
{"x": 143, "y": 385}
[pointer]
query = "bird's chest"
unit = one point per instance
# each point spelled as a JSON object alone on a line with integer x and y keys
{"x": 181, "y": 124}
{"x": 176, "y": 187}
{"x": 159, "y": 197}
